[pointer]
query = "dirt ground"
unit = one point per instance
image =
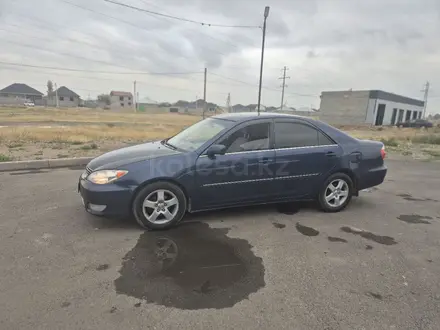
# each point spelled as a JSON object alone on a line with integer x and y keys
{"x": 41, "y": 133}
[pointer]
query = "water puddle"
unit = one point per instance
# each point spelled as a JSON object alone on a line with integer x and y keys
{"x": 415, "y": 218}
{"x": 288, "y": 208}
{"x": 409, "y": 197}
{"x": 336, "y": 239}
{"x": 308, "y": 231}
{"x": 375, "y": 295}
{"x": 278, "y": 225}
{"x": 386, "y": 240}
{"x": 191, "y": 267}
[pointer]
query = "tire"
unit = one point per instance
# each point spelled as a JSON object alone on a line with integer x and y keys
{"x": 155, "y": 210}
{"x": 347, "y": 187}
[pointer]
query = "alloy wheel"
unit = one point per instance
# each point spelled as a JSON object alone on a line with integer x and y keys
{"x": 160, "y": 206}
{"x": 336, "y": 193}
{"x": 166, "y": 252}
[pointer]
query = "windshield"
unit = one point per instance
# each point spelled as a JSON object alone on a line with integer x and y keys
{"x": 196, "y": 135}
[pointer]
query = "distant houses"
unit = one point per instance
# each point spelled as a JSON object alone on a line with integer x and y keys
{"x": 247, "y": 108}
{"x": 66, "y": 98}
{"x": 63, "y": 97}
{"x": 121, "y": 100}
{"x": 18, "y": 94}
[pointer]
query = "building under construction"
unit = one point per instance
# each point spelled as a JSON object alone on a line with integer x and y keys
{"x": 372, "y": 107}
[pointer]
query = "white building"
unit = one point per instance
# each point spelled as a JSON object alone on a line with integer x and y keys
{"x": 373, "y": 107}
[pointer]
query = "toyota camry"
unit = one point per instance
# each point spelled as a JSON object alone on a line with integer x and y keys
{"x": 232, "y": 160}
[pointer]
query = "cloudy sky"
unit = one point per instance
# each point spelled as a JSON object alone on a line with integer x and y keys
{"x": 391, "y": 45}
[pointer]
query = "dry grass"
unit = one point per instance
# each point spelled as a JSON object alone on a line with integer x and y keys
{"x": 33, "y": 115}
{"x": 82, "y": 134}
{"x": 87, "y": 132}
{"x": 399, "y": 135}
{"x": 97, "y": 125}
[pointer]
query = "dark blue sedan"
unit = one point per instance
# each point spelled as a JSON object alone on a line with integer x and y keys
{"x": 232, "y": 160}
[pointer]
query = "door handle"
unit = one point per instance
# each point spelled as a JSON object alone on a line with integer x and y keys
{"x": 330, "y": 154}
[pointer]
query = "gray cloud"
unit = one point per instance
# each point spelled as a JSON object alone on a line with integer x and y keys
{"x": 338, "y": 44}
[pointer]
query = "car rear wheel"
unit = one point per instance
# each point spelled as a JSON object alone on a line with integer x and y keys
{"x": 159, "y": 205}
{"x": 336, "y": 193}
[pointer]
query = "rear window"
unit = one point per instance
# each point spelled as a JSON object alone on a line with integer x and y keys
{"x": 293, "y": 135}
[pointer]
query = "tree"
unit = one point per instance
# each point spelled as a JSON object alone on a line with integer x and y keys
{"x": 49, "y": 86}
{"x": 104, "y": 98}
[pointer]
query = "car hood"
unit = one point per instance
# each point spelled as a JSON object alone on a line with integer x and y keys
{"x": 117, "y": 158}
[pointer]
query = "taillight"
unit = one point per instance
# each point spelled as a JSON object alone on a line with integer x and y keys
{"x": 383, "y": 152}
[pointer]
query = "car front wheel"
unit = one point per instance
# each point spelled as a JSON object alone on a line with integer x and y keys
{"x": 159, "y": 205}
{"x": 336, "y": 193}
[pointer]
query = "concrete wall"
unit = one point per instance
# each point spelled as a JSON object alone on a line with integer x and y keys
{"x": 116, "y": 102}
{"x": 344, "y": 108}
{"x": 12, "y": 100}
{"x": 389, "y": 106}
{"x": 20, "y": 97}
{"x": 64, "y": 101}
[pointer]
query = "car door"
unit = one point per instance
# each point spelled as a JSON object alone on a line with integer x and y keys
{"x": 304, "y": 156}
{"x": 244, "y": 174}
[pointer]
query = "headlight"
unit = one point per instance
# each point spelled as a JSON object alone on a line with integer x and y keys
{"x": 106, "y": 176}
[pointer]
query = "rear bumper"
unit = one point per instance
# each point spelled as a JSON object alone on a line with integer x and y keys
{"x": 105, "y": 200}
{"x": 373, "y": 177}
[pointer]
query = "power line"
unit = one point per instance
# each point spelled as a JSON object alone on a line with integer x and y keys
{"x": 122, "y": 56}
{"x": 181, "y": 18}
{"x": 99, "y": 72}
{"x": 100, "y": 48}
{"x": 102, "y": 14}
{"x": 73, "y": 56}
{"x": 140, "y": 27}
{"x": 140, "y": 82}
{"x": 64, "y": 54}
{"x": 193, "y": 29}
{"x": 264, "y": 87}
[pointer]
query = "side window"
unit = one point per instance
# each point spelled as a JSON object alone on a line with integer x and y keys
{"x": 249, "y": 138}
{"x": 324, "y": 140}
{"x": 292, "y": 135}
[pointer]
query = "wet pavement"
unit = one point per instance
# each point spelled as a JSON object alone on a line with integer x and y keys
{"x": 373, "y": 266}
{"x": 190, "y": 267}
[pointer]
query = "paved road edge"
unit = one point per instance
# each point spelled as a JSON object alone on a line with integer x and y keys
{"x": 43, "y": 164}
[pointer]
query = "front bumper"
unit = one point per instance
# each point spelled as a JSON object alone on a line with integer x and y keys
{"x": 105, "y": 200}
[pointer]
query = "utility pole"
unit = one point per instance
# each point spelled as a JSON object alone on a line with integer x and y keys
{"x": 134, "y": 96}
{"x": 56, "y": 96}
{"x": 197, "y": 103}
{"x": 425, "y": 98}
{"x": 204, "y": 94}
{"x": 228, "y": 102}
{"x": 266, "y": 14}
{"x": 283, "y": 86}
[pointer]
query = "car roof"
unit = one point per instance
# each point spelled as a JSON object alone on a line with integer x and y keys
{"x": 337, "y": 135}
{"x": 245, "y": 116}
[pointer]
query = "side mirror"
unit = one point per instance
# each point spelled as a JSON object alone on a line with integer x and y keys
{"x": 216, "y": 149}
